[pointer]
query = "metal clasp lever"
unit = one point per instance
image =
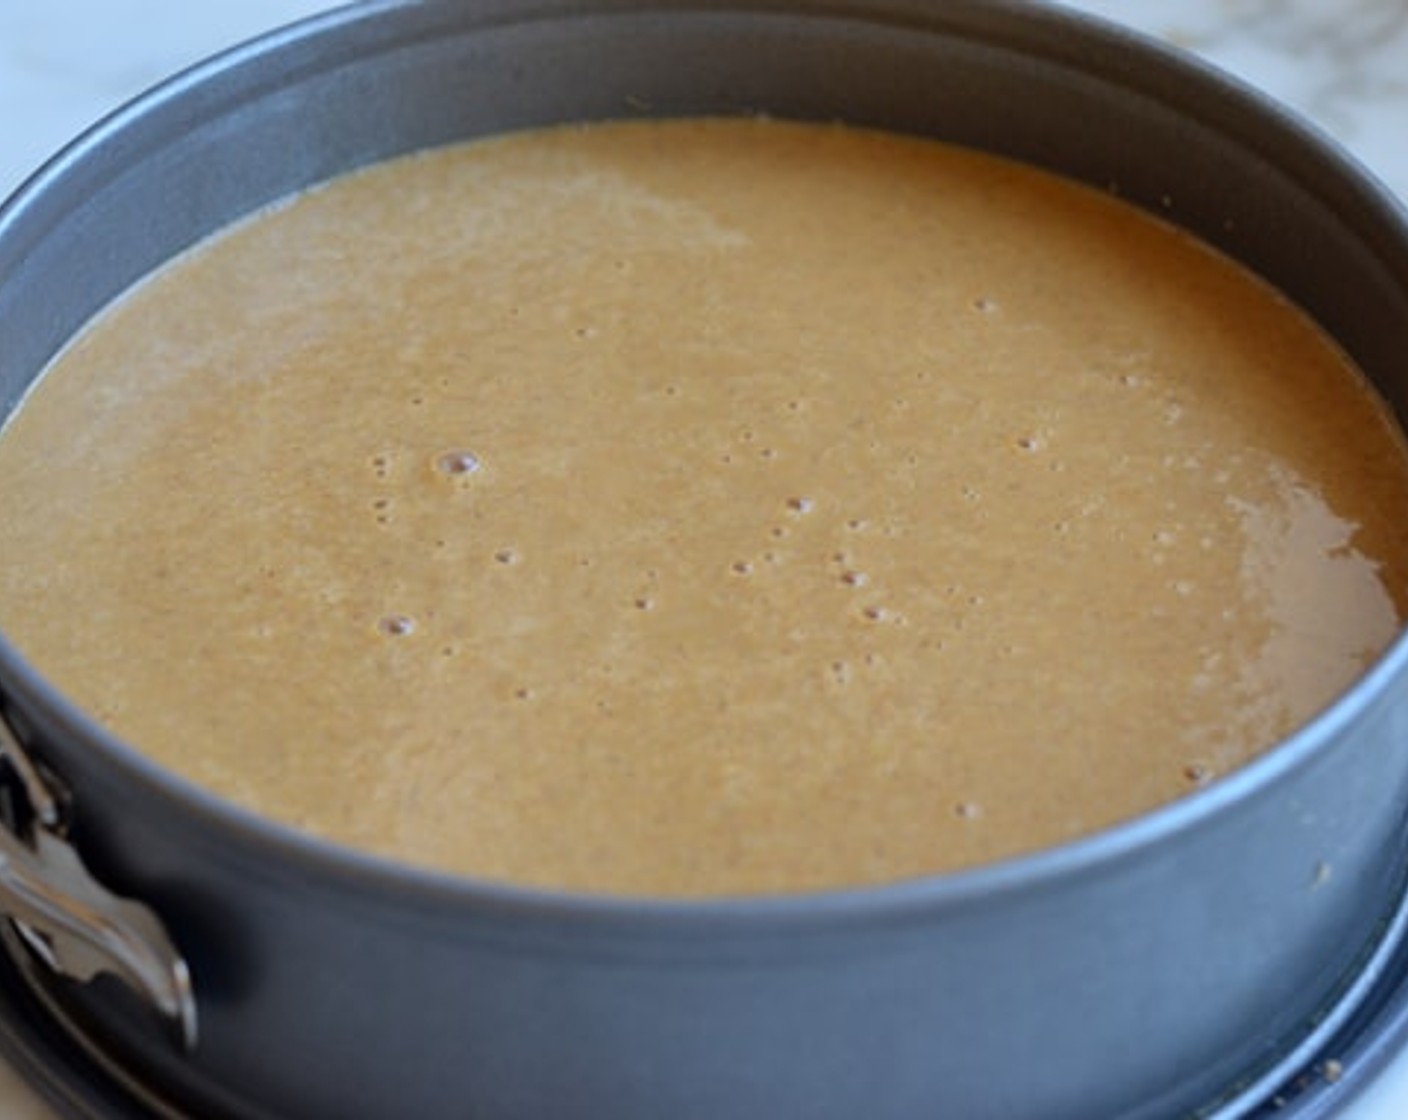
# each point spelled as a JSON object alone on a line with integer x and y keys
{"x": 74, "y": 925}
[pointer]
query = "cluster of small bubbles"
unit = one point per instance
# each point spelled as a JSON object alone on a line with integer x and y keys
{"x": 458, "y": 462}
{"x": 383, "y": 510}
{"x": 506, "y": 556}
{"x": 381, "y": 465}
{"x": 396, "y": 625}
{"x": 968, "y": 810}
{"x": 970, "y": 493}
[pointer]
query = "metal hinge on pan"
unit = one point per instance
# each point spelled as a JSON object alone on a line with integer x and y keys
{"x": 73, "y": 924}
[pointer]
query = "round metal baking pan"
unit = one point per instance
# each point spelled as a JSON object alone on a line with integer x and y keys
{"x": 1185, "y": 963}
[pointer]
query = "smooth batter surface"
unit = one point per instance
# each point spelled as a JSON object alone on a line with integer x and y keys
{"x": 702, "y": 508}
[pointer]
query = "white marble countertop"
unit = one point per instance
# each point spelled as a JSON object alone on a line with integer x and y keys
{"x": 1341, "y": 63}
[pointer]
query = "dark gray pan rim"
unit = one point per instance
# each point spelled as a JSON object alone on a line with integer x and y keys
{"x": 75, "y": 1083}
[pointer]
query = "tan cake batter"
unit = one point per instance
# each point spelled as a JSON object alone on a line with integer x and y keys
{"x": 702, "y": 507}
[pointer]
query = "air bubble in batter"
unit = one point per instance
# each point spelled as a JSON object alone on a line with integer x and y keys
{"x": 396, "y": 625}
{"x": 458, "y": 462}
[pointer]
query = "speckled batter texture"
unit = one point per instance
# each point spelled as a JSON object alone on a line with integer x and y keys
{"x": 702, "y": 508}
